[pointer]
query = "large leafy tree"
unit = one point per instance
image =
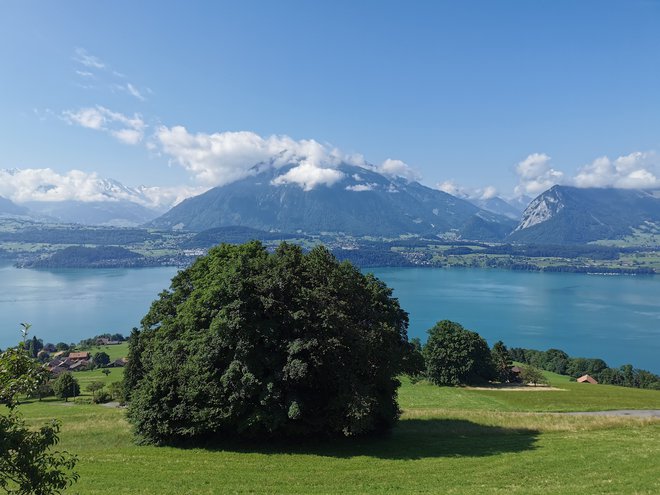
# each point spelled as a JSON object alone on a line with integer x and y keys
{"x": 256, "y": 344}
{"x": 456, "y": 356}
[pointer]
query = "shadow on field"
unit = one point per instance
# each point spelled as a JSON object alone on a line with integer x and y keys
{"x": 411, "y": 439}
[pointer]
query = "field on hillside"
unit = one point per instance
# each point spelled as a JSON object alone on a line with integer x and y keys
{"x": 450, "y": 440}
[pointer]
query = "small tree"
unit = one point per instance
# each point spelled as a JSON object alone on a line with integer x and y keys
{"x": 27, "y": 463}
{"x": 66, "y": 386}
{"x": 94, "y": 387}
{"x": 105, "y": 371}
{"x": 456, "y": 356}
{"x": 116, "y": 390}
{"x": 531, "y": 374}
{"x": 101, "y": 359}
{"x": 501, "y": 362}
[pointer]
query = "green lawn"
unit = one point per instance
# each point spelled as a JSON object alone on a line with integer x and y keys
{"x": 450, "y": 440}
{"x": 114, "y": 351}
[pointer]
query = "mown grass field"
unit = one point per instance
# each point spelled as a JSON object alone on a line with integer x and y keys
{"x": 450, "y": 440}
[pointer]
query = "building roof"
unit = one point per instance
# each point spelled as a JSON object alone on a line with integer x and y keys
{"x": 79, "y": 355}
{"x": 587, "y": 379}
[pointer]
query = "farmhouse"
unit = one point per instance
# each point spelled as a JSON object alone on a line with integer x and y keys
{"x": 587, "y": 379}
{"x": 77, "y": 356}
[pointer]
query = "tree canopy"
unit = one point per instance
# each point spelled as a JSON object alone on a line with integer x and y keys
{"x": 256, "y": 344}
{"x": 28, "y": 465}
{"x": 456, "y": 356}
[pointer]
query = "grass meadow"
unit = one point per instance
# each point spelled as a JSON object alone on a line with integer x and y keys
{"x": 449, "y": 440}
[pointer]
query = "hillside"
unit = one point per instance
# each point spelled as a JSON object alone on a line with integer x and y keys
{"x": 363, "y": 202}
{"x": 449, "y": 440}
{"x": 8, "y": 207}
{"x": 567, "y": 215}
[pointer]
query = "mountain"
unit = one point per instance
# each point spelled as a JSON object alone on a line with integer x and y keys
{"x": 8, "y": 207}
{"x": 500, "y": 206}
{"x": 363, "y": 202}
{"x": 566, "y": 215}
{"x": 121, "y": 213}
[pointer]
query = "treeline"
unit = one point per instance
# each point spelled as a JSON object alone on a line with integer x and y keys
{"x": 372, "y": 257}
{"x": 98, "y": 236}
{"x": 235, "y": 235}
{"x": 88, "y": 257}
{"x": 558, "y": 361}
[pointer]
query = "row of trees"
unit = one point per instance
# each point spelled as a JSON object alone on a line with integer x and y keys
{"x": 558, "y": 361}
{"x": 454, "y": 355}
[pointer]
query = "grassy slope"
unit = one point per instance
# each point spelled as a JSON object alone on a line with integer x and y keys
{"x": 448, "y": 441}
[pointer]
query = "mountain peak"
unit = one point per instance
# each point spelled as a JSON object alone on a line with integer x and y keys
{"x": 360, "y": 201}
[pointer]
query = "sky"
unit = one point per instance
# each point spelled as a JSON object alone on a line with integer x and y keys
{"x": 477, "y": 98}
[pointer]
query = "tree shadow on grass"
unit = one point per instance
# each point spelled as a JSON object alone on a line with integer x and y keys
{"x": 411, "y": 439}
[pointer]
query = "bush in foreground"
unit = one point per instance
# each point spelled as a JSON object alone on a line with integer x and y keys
{"x": 263, "y": 345}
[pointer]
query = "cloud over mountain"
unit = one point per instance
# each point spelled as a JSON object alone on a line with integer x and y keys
{"x": 46, "y": 184}
{"x": 636, "y": 170}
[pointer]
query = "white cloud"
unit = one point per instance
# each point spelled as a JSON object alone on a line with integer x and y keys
{"x": 165, "y": 197}
{"x": 488, "y": 192}
{"x": 83, "y": 57}
{"x": 398, "y": 168}
{"x": 308, "y": 176}
{"x": 361, "y": 187}
{"x": 134, "y": 92}
{"x": 536, "y": 175}
{"x": 84, "y": 73}
{"x": 224, "y": 157}
{"x": 47, "y": 185}
{"x": 128, "y": 130}
{"x": 450, "y": 187}
{"x": 636, "y": 170}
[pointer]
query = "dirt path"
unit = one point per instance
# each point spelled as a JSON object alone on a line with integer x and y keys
{"x": 636, "y": 413}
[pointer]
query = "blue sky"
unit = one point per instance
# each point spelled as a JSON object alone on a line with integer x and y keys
{"x": 514, "y": 95}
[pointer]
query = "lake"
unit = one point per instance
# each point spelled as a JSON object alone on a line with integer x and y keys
{"x": 616, "y": 318}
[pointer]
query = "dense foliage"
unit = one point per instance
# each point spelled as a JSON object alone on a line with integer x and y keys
{"x": 259, "y": 345}
{"x": 456, "y": 356}
{"x": 558, "y": 361}
{"x": 66, "y": 386}
{"x": 27, "y": 463}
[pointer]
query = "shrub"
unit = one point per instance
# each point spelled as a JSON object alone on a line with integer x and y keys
{"x": 263, "y": 345}
{"x": 101, "y": 397}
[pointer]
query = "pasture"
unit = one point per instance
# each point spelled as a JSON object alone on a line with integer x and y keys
{"x": 449, "y": 440}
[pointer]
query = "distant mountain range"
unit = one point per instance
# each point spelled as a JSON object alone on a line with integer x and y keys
{"x": 118, "y": 205}
{"x": 364, "y": 202}
{"x": 8, "y": 207}
{"x": 118, "y": 213}
{"x": 512, "y": 209}
{"x": 567, "y": 215}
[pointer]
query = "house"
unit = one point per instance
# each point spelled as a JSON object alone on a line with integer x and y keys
{"x": 77, "y": 356}
{"x": 587, "y": 379}
{"x": 118, "y": 363}
{"x": 82, "y": 364}
{"x": 57, "y": 370}
{"x": 106, "y": 341}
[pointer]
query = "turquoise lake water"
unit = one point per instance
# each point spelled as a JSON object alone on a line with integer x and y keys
{"x": 616, "y": 318}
